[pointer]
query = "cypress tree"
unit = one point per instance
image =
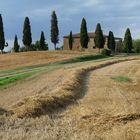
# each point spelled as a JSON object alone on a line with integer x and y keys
{"x": 70, "y": 41}
{"x": 16, "y": 45}
{"x": 83, "y": 34}
{"x": 128, "y": 41}
{"x": 99, "y": 38}
{"x": 42, "y": 43}
{"x": 54, "y": 29}
{"x": 27, "y": 35}
{"x": 2, "y": 37}
{"x": 111, "y": 41}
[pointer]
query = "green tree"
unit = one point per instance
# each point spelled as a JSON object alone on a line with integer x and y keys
{"x": 2, "y": 37}
{"x": 42, "y": 43}
{"x": 70, "y": 41}
{"x": 99, "y": 38}
{"x": 54, "y": 29}
{"x": 111, "y": 41}
{"x": 128, "y": 41}
{"x": 27, "y": 35}
{"x": 36, "y": 45}
{"x": 84, "y": 34}
{"x": 136, "y": 45}
{"x": 16, "y": 45}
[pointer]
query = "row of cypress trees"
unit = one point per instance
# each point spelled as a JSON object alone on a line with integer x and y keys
{"x": 100, "y": 40}
{"x": 27, "y": 35}
{"x": 84, "y": 39}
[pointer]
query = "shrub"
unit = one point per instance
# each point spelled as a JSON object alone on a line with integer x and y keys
{"x": 136, "y": 46}
{"x": 33, "y": 47}
{"x": 106, "y": 52}
{"x": 137, "y": 49}
{"x": 23, "y": 49}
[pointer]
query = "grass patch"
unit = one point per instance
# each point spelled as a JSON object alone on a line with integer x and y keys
{"x": 8, "y": 71}
{"x": 55, "y": 64}
{"x": 28, "y": 69}
{"x": 122, "y": 79}
{"x": 8, "y": 80}
{"x": 85, "y": 58}
{"x": 23, "y": 75}
{"x": 25, "y": 72}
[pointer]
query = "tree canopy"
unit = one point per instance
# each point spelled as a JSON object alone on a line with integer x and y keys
{"x": 54, "y": 29}
{"x": 2, "y": 37}
{"x": 42, "y": 44}
{"x": 16, "y": 45}
{"x": 99, "y": 38}
{"x": 70, "y": 41}
{"x": 128, "y": 41}
{"x": 84, "y": 34}
{"x": 111, "y": 41}
{"x": 27, "y": 35}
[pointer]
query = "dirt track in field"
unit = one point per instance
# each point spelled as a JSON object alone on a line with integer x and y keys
{"x": 109, "y": 110}
{"x": 41, "y": 84}
{"x": 25, "y": 59}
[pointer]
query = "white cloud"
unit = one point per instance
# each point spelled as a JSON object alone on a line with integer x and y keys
{"x": 130, "y": 4}
{"x": 90, "y": 3}
{"x": 115, "y": 15}
{"x": 40, "y": 12}
{"x": 43, "y": 11}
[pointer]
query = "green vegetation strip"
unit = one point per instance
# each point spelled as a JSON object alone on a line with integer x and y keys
{"x": 9, "y": 71}
{"x": 11, "y": 76}
{"x": 85, "y": 58}
{"x": 8, "y": 80}
{"x": 56, "y": 64}
{"x": 21, "y": 76}
{"x": 122, "y": 79}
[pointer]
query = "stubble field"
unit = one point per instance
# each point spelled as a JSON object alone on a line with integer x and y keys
{"x": 91, "y": 99}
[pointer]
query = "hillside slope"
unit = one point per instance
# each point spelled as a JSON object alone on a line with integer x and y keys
{"x": 18, "y": 60}
{"x": 108, "y": 102}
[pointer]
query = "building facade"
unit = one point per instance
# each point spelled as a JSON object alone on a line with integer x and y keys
{"x": 91, "y": 44}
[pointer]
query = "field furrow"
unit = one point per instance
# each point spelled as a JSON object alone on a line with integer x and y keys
{"x": 89, "y": 100}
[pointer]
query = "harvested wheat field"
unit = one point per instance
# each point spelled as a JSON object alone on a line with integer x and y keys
{"x": 90, "y": 100}
{"x": 24, "y": 59}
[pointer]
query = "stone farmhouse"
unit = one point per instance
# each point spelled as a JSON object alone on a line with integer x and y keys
{"x": 91, "y": 44}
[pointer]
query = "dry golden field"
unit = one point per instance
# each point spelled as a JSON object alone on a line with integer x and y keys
{"x": 90, "y": 100}
{"x": 24, "y": 59}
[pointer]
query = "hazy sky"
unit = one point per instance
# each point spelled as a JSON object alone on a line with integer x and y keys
{"x": 115, "y": 15}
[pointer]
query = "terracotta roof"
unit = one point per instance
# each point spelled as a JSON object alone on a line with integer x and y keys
{"x": 90, "y": 34}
